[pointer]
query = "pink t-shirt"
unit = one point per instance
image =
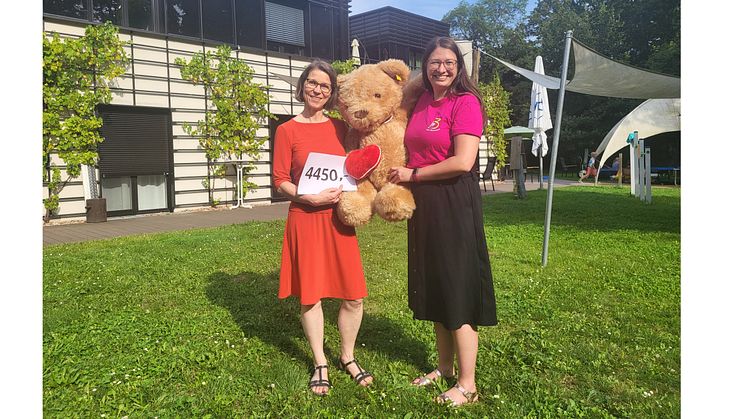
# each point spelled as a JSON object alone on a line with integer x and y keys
{"x": 430, "y": 131}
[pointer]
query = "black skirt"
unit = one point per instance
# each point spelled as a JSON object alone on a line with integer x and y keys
{"x": 450, "y": 280}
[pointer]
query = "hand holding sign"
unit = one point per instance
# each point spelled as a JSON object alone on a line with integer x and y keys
{"x": 322, "y": 172}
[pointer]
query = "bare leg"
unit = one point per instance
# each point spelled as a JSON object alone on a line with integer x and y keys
{"x": 446, "y": 349}
{"x": 467, "y": 344}
{"x": 446, "y": 352}
{"x": 312, "y": 319}
{"x": 348, "y": 321}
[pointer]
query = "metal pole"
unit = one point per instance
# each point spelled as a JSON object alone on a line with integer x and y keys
{"x": 555, "y": 147}
{"x": 648, "y": 186}
{"x": 633, "y": 165}
{"x": 641, "y": 167}
{"x": 541, "y": 164}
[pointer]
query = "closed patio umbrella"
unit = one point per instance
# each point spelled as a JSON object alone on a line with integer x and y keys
{"x": 539, "y": 119}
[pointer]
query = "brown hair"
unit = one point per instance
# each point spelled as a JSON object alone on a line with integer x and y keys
{"x": 462, "y": 83}
{"x": 320, "y": 65}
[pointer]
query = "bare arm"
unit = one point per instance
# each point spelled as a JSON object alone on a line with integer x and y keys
{"x": 326, "y": 197}
{"x": 466, "y": 147}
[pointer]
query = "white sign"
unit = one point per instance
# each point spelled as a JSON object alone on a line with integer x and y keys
{"x": 323, "y": 171}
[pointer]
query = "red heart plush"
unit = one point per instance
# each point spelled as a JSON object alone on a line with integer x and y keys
{"x": 361, "y": 162}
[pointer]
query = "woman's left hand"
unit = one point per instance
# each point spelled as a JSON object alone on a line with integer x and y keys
{"x": 400, "y": 174}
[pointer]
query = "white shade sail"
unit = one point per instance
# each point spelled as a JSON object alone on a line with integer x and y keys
{"x": 601, "y": 76}
{"x": 654, "y": 116}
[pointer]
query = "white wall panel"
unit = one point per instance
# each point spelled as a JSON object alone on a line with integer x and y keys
{"x": 187, "y": 116}
{"x": 158, "y": 101}
{"x": 72, "y": 191}
{"x": 153, "y": 70}
{"x": 186, "y": 171}
{"x": 188, "y": 184}
{"x": 197, "y": 157}
{"x": 185, "y": 143}
{"x": 191, "y": 198}
{"x": 185, "y": 87}
{"x": 263, "y": 193}
{"x": 187, "y": 102}
{"x": 64, "y": 29}
{"x": 73, "y": 207}
{"x": 124, "y": 82}
{"x": 285, "y": 109}
{"x": 261, "y": 180}
{"x": 147, "y": 40}
{"x": 184, "y": 46}
{"x": 149, "y": 54}
{"x": 152, "y": 85}
{"x": 122, "y": 98}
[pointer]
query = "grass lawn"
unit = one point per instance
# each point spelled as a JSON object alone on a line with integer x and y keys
{"x": 187, "y": 324}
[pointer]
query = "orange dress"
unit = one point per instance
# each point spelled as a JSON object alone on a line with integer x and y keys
{"x": 320, "y": 255}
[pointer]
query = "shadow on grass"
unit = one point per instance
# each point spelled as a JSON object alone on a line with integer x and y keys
{"x": 251, "y": 298}
{"x": 588, "y": 208}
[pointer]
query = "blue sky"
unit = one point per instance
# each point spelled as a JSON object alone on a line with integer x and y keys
{"x": 434, "y": 9}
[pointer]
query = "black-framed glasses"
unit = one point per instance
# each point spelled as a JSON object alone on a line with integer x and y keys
{"x": 323, "y": 87}
{"x": 449, "y": 64}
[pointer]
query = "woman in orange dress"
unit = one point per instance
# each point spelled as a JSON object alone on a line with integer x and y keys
{"x": 320, "y": 255}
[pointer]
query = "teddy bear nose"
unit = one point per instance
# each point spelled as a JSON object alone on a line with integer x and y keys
{"x": 361, "y": 114}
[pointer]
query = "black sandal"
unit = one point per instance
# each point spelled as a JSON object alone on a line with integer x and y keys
{"x": 320, "y": 382}
{"x": 362, "y": 375}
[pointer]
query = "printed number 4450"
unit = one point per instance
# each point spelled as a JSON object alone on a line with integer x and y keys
{"x": 321, "y": 174}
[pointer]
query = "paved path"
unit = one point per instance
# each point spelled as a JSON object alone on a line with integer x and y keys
{"x": 154, "y": 223}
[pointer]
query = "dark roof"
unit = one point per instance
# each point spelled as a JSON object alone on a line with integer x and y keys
{"x": 389, "y": 24}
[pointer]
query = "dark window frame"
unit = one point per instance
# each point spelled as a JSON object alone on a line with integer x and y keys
{"x": 338, "y": 48}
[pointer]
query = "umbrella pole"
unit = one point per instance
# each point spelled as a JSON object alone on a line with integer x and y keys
{"x": 555, "y": 147}
{"x": 541, "y": 165}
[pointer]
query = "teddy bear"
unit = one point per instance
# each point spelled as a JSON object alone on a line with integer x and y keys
{"x": 371, "y": 102}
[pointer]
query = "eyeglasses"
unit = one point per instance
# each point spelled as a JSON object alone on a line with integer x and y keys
{"x": 323, "y": 87}
{"x": 435, "y": 64}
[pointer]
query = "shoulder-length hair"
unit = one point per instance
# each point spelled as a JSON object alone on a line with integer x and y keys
{"x": 320, "y": 65}
{"x": 462, "y": 83}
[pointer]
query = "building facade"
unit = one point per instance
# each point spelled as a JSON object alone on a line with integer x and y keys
{"x": 389, "y": 32}
{"x": 147, "y": 162}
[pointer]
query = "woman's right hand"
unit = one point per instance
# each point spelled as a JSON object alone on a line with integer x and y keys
{"x": 328, "y": 196}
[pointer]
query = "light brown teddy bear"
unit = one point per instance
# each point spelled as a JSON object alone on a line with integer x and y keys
{"x": 370, "y": 100}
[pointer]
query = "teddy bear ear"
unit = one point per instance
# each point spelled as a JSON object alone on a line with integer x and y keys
{"x": 396, "y": 69}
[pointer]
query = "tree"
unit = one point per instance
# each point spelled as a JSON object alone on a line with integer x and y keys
{"x": 497, "y": 107}
{"x": 239, "y": 108}
{"x": 489, "y": 24}
{"x": 77, "y": 74}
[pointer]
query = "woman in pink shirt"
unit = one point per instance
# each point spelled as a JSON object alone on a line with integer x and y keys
{"x": 450, "y": 279}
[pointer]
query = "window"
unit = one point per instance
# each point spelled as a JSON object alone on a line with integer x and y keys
{"x": 285, "y": 24}
{"x": 140, "y": 14}
{"x": 183, "y": 17}
{"x": 69, "y": 8}
{"x": 107, "y": 10}
{"x": 321, "y": 32}
{"x": 249, "y": 23}
{"x": 136, "y": 158}
{"x": 217, "y": 20}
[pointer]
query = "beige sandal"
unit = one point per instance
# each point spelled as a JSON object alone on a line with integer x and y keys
{"x": 471, "y": 397}
{"x": 426, "y": 381}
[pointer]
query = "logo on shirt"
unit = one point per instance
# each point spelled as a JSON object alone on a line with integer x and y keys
{"x": 434, "y": 126}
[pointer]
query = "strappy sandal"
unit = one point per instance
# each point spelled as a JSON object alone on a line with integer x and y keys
{"x": 471, "y": 397}
{"x": 362, "y": 375}
{"x": 426, "y": 381}
{"x": 320, "y": 382}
